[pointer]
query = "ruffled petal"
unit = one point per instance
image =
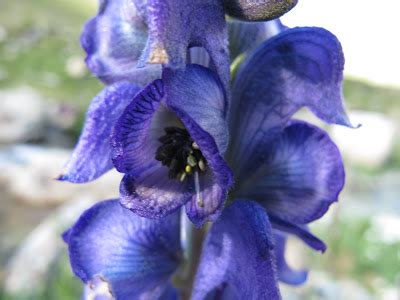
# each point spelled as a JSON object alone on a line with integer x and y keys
{"x": 299, "y": 67}
{"x": 146, "y": 189}
{"x": 134, "y": 139}
{"x": 285, "y": 273}
{"x": 300, "y": 176}
{"x": 134, "y": 256}
{"x": 238, "y": 259}
{"x": 114, "y": 41}
{"x": 175, "y": 26}
{"x": 301, "y": 231}
{"x": 260, "y": 10}
{"x": 91, "y": 157}
{"x": 246, "y": 36}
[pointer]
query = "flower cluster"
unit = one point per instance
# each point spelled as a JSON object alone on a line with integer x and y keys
{"x": 197, "y": 114}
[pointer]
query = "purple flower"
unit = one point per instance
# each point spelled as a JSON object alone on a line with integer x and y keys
{"x": 91, "y": 157}
{"x": 170, "y": 142}
{"x": 118, "y": 254}
{"x": 114, "y": 41}
{"x": 291, "y": 168}
{"x": 238, "y": 260}
{"x": 112, "y": 249}
{"x": 129, "y": 40}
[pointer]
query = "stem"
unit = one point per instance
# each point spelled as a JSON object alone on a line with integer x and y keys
{"x": 197, "y": 244}
{"x": 185, "y": 278}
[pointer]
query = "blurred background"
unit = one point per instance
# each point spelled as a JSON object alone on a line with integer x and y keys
{"x": 45, "y": 89}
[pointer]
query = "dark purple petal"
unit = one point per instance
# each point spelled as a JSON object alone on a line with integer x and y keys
{"x": 301, "y": 231}
{"x": 114, "y": 41}
{"x": 146, "y": 189}
{"x": 198, "y": 92}
{"x": 260, "y": 10}
{"x": 92, "y": 155}
{"x": 300, "y": 176}
{"x": 135, "y": 256}
{"x": 246, "y": 36}
{"x": 299, "y": 67}
{"x": 136, "y": 132}
{"x": 285, "y": 273}
{"x": 238, "y": 259}
{"x": 175, "y": 26}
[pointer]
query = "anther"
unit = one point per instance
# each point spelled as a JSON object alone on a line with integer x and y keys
{"x": 180, "y": 154}
{"x": 195, "y": 146}
{"x": 202, "y": 165}
{"x": 191, "y": 160}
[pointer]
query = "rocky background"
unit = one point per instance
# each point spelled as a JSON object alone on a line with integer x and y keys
{"x": 44, "y": 90}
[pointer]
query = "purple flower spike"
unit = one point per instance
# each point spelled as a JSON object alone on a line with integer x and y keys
{"x": 238, "y": 260}
{"x": 169, "y": 143}
{"x": 176, "y": 25}
{"x": 301, "y": 175}
{"x": 112, "y": 249}
{"x": 91, "y": 157}
{"x": 114, "y": 41}
{"x": 260, "y": 10}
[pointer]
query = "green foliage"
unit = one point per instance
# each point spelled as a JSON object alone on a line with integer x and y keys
{"x": 38, "y": 45}
{"x": 356, "y": 250}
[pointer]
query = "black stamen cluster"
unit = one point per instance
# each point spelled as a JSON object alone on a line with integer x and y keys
{"x": 176, "y": 146}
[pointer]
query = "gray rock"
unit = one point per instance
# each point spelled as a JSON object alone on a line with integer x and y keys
{"x": 27, "y": 174}
{"x": 26, "y": 117}
{"x": 27, "y": 270}
{"x": 22, "y": 115}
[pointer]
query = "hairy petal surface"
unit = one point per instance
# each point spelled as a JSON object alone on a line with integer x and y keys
{"x": 114, "y": 41}
{"x": 246, "y": 36}
{"x": 238, "y": 256}
{"x": 175, "y": 26}
{"x": 300, "y": 176}
{"x": 135, "y": 256}
{"x": 260, "y": 10}
{"x": 285, "y": 273}
{"x": 91, "y": 157}
{"x": 299, "y": 67}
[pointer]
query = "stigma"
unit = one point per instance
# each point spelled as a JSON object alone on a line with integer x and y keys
{"x": 180, "y": 154}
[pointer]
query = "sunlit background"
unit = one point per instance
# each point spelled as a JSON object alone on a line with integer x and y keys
{"x": 45, "y": 89}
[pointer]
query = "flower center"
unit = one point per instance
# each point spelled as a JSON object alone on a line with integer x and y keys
{"x": 180, "y": 154}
